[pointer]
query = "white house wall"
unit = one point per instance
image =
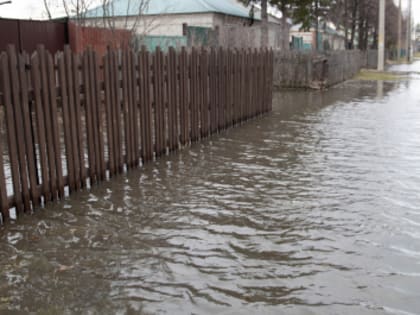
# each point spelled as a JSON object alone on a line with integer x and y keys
{"x": 162, "y": 25}
{"x": 233, "y": 31}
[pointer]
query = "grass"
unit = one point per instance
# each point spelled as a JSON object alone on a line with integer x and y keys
{"x": 397, "y": 62}
{"x": 372, "y": 75}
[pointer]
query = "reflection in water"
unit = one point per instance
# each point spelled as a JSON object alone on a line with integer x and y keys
{"x": 310, "y": 210}
{"x": 379, "y": 89}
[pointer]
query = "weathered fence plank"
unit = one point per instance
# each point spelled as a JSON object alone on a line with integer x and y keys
{"x": 125, "y": 108}
{"x": 194, "y": 101}
{"x": 159, "y": 109}
{"x": 110, "y": 113}
{"x": 184, "y": 124}
{"x": 172, "y": 84}
{"x": 54, "y": 123}
{"x": 116, "y": 106}
{"x": 88, "y": 117}
{"x": 107, "y": 63}
{"x": 98, "y": 116}
{"x": 40, "y": 127}
{"x": 204, "y": 79}
{"x": 213, "y": 90}
{"x": 67, "y": 124}
{"x": 134, "y": 101}
{"x": 69, "y": 90}
{"x": 145, "y": 107}
{"x": 78, "y": 123}
{"x": 46, "y": 112}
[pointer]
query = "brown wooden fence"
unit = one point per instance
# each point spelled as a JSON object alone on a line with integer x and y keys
{"x": 72, "y": 120}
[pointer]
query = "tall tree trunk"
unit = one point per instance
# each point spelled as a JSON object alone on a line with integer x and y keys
{"x": 346, "y": 24}
{"x": 354, "y": 22}
{"x": 264, "y": 24}
{"x": 361, "y": 25}
{"x": 285, "y": 28}
{"x": 316, "y": 24}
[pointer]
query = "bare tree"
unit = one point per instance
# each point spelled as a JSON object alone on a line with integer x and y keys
{"x": 129, "y": 16}
{"x": 77, "y": 9}
{"x": 133, "y": 21}
{"x": 101, "y": 12}
{"x": 47, "y": 9}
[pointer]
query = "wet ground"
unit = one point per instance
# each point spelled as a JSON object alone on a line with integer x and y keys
{"x": 313, "y": 209}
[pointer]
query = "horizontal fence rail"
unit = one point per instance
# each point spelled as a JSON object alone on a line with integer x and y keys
{"x": 72, "y": 120}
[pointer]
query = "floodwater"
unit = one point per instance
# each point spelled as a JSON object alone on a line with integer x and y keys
{"x": 313, "y": 209}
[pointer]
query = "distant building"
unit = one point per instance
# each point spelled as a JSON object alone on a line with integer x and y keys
{"x": 328, "y": 38}
{"x": 191, "y": 22}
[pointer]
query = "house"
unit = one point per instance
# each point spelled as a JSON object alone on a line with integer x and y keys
{"x": 225, "y": 23}
{"x": 328, "y": 38}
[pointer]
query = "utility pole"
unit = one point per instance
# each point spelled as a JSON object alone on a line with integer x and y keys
{"x": 381, "y": 37}
{"x": 409, "y": 31}
{"x": 399, "y": 31}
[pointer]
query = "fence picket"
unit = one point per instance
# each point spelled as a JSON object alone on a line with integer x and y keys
{"x": 172, "y": 100}
{"x": 183, "y": 64}
{"x": 125, "y": 108}
{"x": 25, "y": 112}
{"x": 146, "y": 107}
{"x": 98, "y": 116}
{"x": 67, "y": 124}
{"x": 204, "y": 79}
{"x": 68, "y": 72}
{"x": 87, "y": 102}
{"x": 116, "y": 110}
{"x": 40, "y": 127}
{"x": 213, "y": 89}
{"x": 159, "y": 113}
{"x": 109, "y": 113}
{"x": 133, "y": 83}
{"x": 54, "y": 122}
{"x": 46, "y": 112}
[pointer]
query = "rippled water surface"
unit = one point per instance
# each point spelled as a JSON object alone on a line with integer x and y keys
{"x": 313, "y": 209}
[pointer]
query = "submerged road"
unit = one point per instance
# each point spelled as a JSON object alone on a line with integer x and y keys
{"x": 313, "y": 209}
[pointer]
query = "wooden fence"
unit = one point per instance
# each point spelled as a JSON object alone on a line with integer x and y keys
{"x": 72, "y": 120}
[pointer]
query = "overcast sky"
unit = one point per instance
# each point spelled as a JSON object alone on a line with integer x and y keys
{"x": 34, "y": 9}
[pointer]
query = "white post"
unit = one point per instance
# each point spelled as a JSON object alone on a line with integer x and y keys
{"x": 409, "y": 32}
{"x": 399, "y": 31}
{"x": 381, "y": 37}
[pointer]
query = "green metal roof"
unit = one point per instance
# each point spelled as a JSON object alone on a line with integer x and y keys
{"x": 156, "y": 7}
